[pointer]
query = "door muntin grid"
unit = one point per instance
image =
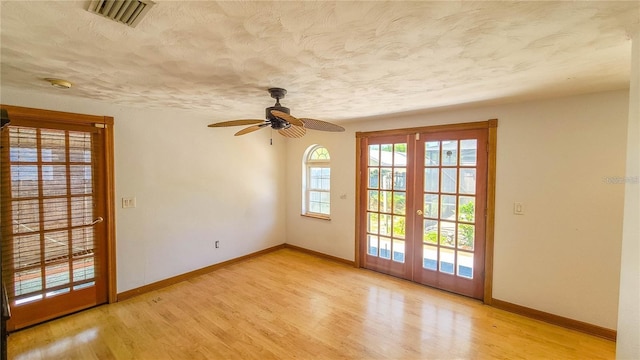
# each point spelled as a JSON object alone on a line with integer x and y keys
{"x": 386, "y": 201}
{"x": 449, "y": 199}
{"x": 52, "y": 205}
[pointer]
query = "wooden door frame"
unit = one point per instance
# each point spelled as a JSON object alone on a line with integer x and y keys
{"x": 491, "y": 126}
{"x": 24, "y": 114}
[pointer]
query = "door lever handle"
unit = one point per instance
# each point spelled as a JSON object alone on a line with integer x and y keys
{"x": 97, "y": 221}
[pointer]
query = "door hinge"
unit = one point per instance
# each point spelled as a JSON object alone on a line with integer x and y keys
{"x": 417, "y": 136}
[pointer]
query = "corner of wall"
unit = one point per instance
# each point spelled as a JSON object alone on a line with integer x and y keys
{"x": 628, "y": 346}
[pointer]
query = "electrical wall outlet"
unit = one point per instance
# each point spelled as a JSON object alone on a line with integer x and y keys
{"x": 217, "y": 244}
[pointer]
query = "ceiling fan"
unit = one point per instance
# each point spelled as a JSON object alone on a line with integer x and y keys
{"x": 278, "y": 118}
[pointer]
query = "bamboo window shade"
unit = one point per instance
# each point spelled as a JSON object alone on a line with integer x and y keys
{"x": 48, "y": 192}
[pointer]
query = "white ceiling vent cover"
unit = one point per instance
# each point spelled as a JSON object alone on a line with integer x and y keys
{"x": 128, "y": 12}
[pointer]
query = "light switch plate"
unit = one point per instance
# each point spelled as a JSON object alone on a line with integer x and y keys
{"x": 518, "y": 208}
{"x": 128, "y": 202}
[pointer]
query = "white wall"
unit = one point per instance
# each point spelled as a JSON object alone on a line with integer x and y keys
{"x": 336, "y": 236}
{"x": 628, "y": 345}
{"x": 563, "y": 255}
{"x": 193, "y": 185}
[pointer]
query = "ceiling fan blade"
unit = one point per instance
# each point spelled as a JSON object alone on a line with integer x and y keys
{"x": 321, "y": 125}
{"x": 236, "y": 123}
{"x": 250, "y": 129}
{"x": 293, "y": 131}
{"x": 286, "y": 117}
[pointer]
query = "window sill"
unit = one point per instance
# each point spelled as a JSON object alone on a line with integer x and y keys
{"x": 315, "y": 216}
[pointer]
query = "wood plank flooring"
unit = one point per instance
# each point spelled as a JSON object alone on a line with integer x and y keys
{"x": 291, "y": 305}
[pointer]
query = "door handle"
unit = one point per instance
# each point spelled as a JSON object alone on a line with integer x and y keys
{"x": 419, "y": 212}
{"x": 97, "y": 221}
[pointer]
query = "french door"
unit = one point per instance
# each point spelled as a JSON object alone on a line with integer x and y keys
{"x": 422, "y": 210}
{"x": 54, "y": 247}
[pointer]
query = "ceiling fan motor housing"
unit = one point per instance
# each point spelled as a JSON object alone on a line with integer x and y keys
{"x": 277, "y": 123}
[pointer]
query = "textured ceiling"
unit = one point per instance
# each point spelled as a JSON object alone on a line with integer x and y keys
{"x": 338, "y": 60}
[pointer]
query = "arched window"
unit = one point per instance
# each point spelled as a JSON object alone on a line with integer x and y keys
{"x": 316, "y": 182}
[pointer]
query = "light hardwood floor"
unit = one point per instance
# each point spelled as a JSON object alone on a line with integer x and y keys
{"x": 287, "y": 304}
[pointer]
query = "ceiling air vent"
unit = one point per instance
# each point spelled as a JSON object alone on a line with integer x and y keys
{"x": 128, "y": 12}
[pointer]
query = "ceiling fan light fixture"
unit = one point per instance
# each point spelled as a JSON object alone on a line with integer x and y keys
{"x": 59, "y": 83}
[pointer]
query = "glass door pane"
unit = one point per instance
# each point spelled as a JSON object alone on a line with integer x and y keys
{"x": 386, "y": 210}
{"x": 386, "y": 200}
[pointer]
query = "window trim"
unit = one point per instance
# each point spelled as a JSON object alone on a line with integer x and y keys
{"x": 309, "y": 163}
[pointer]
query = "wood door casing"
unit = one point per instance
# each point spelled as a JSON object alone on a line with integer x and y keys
{"x": 98, "y": 160}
